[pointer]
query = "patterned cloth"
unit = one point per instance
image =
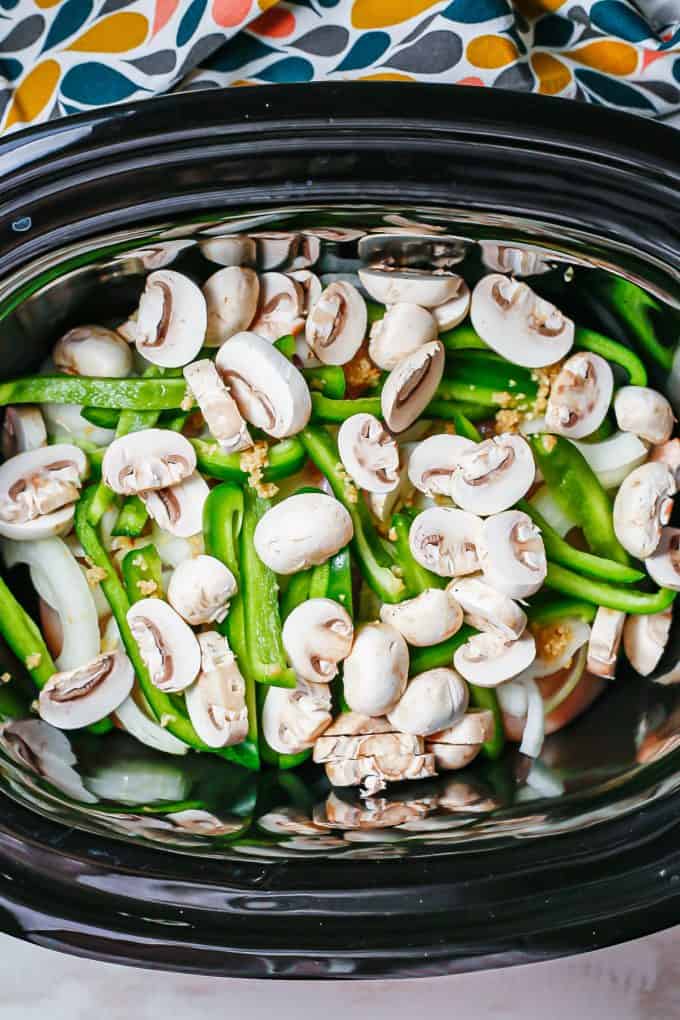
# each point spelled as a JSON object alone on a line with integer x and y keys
{"x": 64, "y": 56}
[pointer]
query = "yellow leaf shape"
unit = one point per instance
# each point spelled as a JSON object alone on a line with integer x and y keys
{"x": 44, "y": 4}
{"x": 386, "y": 76}
{"x": 491, "y": 51}
{"x": 552, "y": 75}
{"x": 264, "y": 5}
{"x": 380, "y": 13}
{"x": 607, "y": 55}
{"x": 32, "y": 96}
{"x": 116, "y": 34}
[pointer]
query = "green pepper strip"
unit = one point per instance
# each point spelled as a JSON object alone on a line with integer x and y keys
{"x": 632, "y": 306}
{"x": 24, "y": 638}
{"x": 486, "y": 697}
{"x": 467, "y": 392}
{"x": 436, "y": 656}
{"x": 296, "y": 593}
{"x": 325, "y": 409}
{"x": 140, "y": 566}
{"x": 103, "y": 417}
{"x": 132, "y": 394}
{"x": 578, "y": 491}
{"x": 464, "y": 427}
{"x": 484, "y": 377}
{"x": 326, "y": 379}
{"x": 552, "y": 610}
{"x": 462, "y": 337}
{"x": 374, "y": 312}
{"x": 626, "y": 600}
{"x": 284, "y": 459}
{"x": 416, "y": 577}
{"x": 611, "y": 350}
{"x": 132, "y": 518}
{"x": 286, "y": 345}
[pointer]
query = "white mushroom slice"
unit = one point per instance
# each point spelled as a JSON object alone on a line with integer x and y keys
{"x": 487, "y": 660}
{"x": 38, "y": 489}
{"x": 302, "y": 531}
{"x": 427, "y": 619}
{"x": 434, "y": 460}
{"x": 317, "y": 635}
{"x": 369, "y": 453}
{"x": 200, "y": 590}
{"x": 410, "y": 386}
{"x": 376, "y": 670}
{"x": 94, "y": 351}
{"x": 376, "y": 772}
{"x": 451, "y": 313}
{"x": 645, "y": 639}
{"x": 231, "y": 250}
{"x": 403, "y": 329}
{"x": 231, "y": 297}
{"x": 179, "y": 508}
{"x": 146, "y": 460}
{"x": 669, "y": 454}
{"x": 476, "y": 726}
{"x": 512, "y": 554}
{"x": 614, "y": 458}
{"x": 663, "y": 566}
{"x": 354, "y": 724}
{"x": 642, "y": 507}
{"x": 216, "y": 703}
{"x": 171, "y": 319}
{"x": 446, "y": 541}
{"x": 218, "y": 407}
{"x": 411, "y": 286}
{"x": 280, "y": 307}
{"x": 336, "y": 324}
{"x": 23, "y": 429}
{"x": 645, "y": 412}
{"x": 517, "y": 323}
{"x": 276, "y": 247}
{"x": 342, "y": 748}
{"x": 270, "y": 391}
{"x": 493, "y": 475}
{"x": 292, "y": 720}
{"x": 448, "y": 757}
{"x": 486, "y": 608}
{"x": 47, "y": 752}
{"x": 311, "y": 288}
{"x": 87, "y": 694}
{"x": 166, "y": 643}
{"x": 383, "y": 504}
{"x": 505, "y": 258}
{"x": 580, "y": 396}
{"x": 432, "y": 701}
{"x": 604, "y": 643}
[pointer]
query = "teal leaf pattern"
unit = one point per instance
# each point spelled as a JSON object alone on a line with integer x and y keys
{"x": 93, "y": 83}
{"x": 70, "y": 16}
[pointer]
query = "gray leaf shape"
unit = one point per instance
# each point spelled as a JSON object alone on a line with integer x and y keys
{"x": 199, "y": 51}
{"x": 198, "y": 84}
{"x": 434, "y": 53}
{"x": 519, "y": 77}
{"x": 162, "y": 62}
{"x": 24, "y": 34}
{"x": 419, "y": 29}
{"x": 662, "y": 89}
{"x": 5, "y": 96}
{"x": 114, "y": 5}
{"x": 323, "y": 42}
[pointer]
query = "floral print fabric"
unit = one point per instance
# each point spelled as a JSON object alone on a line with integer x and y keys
{"x": 64, "y": 56}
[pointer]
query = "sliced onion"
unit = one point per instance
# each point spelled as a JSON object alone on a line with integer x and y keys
{"x": 137, "y": 723}
{"x": 529, "y": 426}
{"x": 578, "y": 637}
{"x": 174, "y": 551}
{"x": 571, "y": 682}
{"x": 138, "y": 781}
{"x": 534, "y": 726}
{"x": 553, "y": 513}
{"x": 512, "y": 698}
{"x": 543, "y": 780}
{"x": 614, "y": 458}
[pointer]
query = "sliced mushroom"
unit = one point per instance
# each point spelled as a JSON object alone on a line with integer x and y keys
{"x": 604, "y": 643}
{"x": 432, "y": 701}
{"x": 486, "y": 608}
{"x": 488, "y": 659}
{"x": 171, "y": 319}
{"x": 411, "y": 286}
{"x": 403, "y": 329}
{"x": 580, "y": 396}
{"x": 410, "y": 386}
{"x": 668, "y": 454}
{"x": 336, "y": 324}
{"x": 427, "y": 619}
{"x": 23, "y": 429}
{"x": 376, "y": 670}
{"x": 505, "y": 258}
{"x": 230, "y": 250}
{"x": 375, "y": 814}
{"x": 451, "y": 313}
{"x": 200, "y": 590}
{"x": 216, "y": 703}
{"x": 280, "y": 308}
{"x": 493, "y": 475}
{"x": 518, "y": 324}
{"x": 278, "y": 248}
{"x": 179, "y": 508}
{"x": 512, "y": 554}
{"x": 375, "y": 772}
{"x": 38, "y": 489}
{"x": 645, "y": 412}
{"x": 302, "y": 531}
{"x": 271, "y": 393}
{"x": 476, "y": 726}
{"x": 355, "y": 724}
{"x": 446, "y": 541}
{"x": 317, "y": 635}
{"x": 343, "y": 748}
{"x": 218, "y": 407}
{"x": 46, "y": 752}
{"x": 369, "y": 453}
{"x": 166, "y": 643}
{"x": 434, "y": 460}
{"x": 85, "y": 695}
{"x": 292, "y": 720}
{"x": 146, "y": 460}
{"x": 642, "y": 507}
{"x": 645, "y": 639}
{"x": 448, "y": 757}
{"x": 663, "y": 566}
{"x": 94, "y": 351}
{"x": 311, "y": 288}
{"x": 231, "y": 297}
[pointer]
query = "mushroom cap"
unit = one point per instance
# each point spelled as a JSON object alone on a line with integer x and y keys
{"x": 668, "y": 454}
{"x": 87, "y": 694}
{"x": 492, "y": 475}
{"x": 311, "y": 288}
{"x": 23, "y": 429}
{"x": 218, "y": 407}
{"x": 317, "y": 635}
{"x": 200, "y": 590}
{"x": 604, "y": 643}
{"x": 302, "y": 531}
{"x": 448, "y": 757}
{"x": 486, "y": 608}
{"x": 488, "y": 659}
{"x": 642, "y": 506}
{"x": 411, "y": 286}
{"x": 336, "y": 324}
{"x": 345, "y": 748}
{"x": 451, "y": 313}
{"x": 38, "y": 489}
{"x": 292, "y": 720}
{"x": 433, "y": 461}
{"x": 271, "y": 393}
{"x": 178, "y": 508}
{"x": 432, "y": 701}
{"x": 427, "y": 619}
{"x": 645, "y": 412}
{"x": 171, "y": 319}
{"x": 146, "y": 460}
{"x": 446, "y": 541}
{"x": 46, "y": 752}
{"x": 230, "y": 250}
{"x": 166, "y": 643}
{"x": 369, "y": 453}
{"x": 505, "y": 258}
{"x": 280, "y": 307}
{"x": 476, "y": 726}
{"x": 517, "y": 323}
{"x": 403, "y": 329}
{"x": 375, "y": 772}
{"x": 354, "y": 724}
{"x": 512, "y": 554}
{"x": 376, "y": 670}
{"x": 216, "y": 702}
{"x": 94, "y": 351}
{"x": 580, "y": 396}
{"x": 410, "y": 386}
{"x": 231, "y": 297}
{"x": 645, "y": 638}
{"x": 663, "y": 566}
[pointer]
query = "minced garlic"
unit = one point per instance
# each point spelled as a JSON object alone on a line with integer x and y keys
{"x": 507, "y": 421}
{"x": 147, "y": 587}
{"x": 360, "y": 372}
{"x": 95, "y": 575}
{"x": 253, "y": 462}
{"x": 5, "y": 678}
{"x": 350, "y": 490}
{"x": 551, "y": 639}
{"x": 33, "y": 661}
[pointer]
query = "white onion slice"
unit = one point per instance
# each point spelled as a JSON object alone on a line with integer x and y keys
{"x": 614, "y": 458}
{"x": 553, "y": 513}
{"x": 137, "y": 723}
{"x": 530, "y": 426}
{"x": 512, "y": 698}
{"x": 533, "y": 734}
{"x": 135, "y": 781}
{"x": 579, "y": 636}
{"x": 544, "y": 781}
